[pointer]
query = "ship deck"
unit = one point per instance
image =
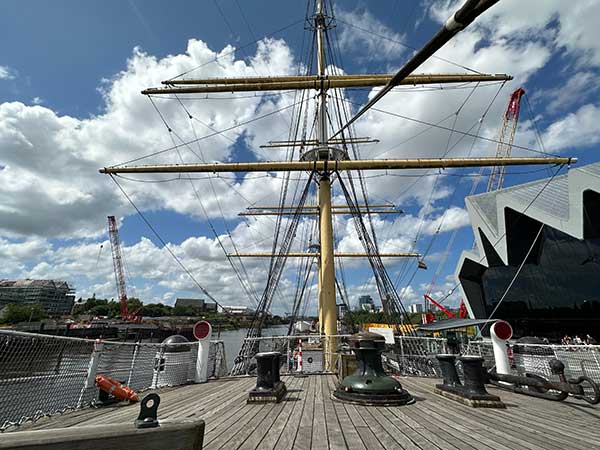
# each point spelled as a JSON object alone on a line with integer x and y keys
{"x": 308, "y": 418}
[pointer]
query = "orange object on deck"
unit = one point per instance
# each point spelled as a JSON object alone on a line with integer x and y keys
{"x": 116, "y": 389}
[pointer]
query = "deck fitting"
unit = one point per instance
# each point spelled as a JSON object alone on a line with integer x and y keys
{"x": 269, "y": 387}
{"x": 370, "y": 385}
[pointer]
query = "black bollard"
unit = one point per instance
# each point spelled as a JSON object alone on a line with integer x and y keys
{"x": 269, "y": 388}
{"x": 473, "y": 376}
{"x": 472, "y": 392}
{"x": 448, "y": 368}
{"x": 275, "y": 368}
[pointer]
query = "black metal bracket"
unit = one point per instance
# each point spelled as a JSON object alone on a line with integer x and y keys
{"x": 148, "y": 413}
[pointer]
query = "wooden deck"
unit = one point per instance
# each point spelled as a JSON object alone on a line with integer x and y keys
{"x": 308, "y": 418}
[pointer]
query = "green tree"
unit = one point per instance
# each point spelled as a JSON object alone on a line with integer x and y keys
{"x": 19, "y": 312}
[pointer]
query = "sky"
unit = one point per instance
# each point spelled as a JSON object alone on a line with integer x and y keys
{"x": 71, "y": 73}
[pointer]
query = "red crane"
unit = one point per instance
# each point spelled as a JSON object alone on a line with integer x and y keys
{"x": 429, "y": 317}
{"x": 510, "y": 121}
{"x": 115, "y": 245}
{"x": 506, "y": 138}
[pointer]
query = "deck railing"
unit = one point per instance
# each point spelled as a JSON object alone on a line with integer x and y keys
{"x": 43, "y": 375}
{"x": 579, "y": 360}
{"x": 316, "y": 351}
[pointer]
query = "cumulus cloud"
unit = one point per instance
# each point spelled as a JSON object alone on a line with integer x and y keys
{"x": 50, "y": 188}
{"x": 375, "y": 42}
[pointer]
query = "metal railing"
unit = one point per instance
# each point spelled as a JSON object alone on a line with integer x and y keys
{"x": 43, "y": 375}
{"x": 317, "y": 350}
{"x": 579, "y": 360}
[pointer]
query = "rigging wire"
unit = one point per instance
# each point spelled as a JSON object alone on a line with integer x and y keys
{"x": 406, "y": 45}
{"x": 222, "y": 55}
{"x": 166, "y": 246}
{"x": 217, "y": 133}
{"x": 515, "y": 276}
{"x": 441, "y": 127}
{"x": 246, "y": 284}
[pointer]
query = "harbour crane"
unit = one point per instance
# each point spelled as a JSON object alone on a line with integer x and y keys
{"x": 115, "y": 245}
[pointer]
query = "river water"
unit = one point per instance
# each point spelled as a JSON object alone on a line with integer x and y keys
{"x": 232, "y": 340}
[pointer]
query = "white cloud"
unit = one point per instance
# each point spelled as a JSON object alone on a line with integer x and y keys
{"x": 377, "y": 43}
{"x": 50, "y": 187}
{"x": 7, "y": 73}
{"x": 578, "y": 129}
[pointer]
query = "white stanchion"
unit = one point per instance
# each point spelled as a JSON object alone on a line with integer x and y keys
{"x": 202, "y": 332}
{"x": 299, "y": 369}
{"x": 500, "y": 332}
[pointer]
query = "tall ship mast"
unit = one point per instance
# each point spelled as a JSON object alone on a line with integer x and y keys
{"x": 328, "y": 157}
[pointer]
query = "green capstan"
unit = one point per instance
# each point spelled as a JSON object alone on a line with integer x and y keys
{"x": 370, "y": 385}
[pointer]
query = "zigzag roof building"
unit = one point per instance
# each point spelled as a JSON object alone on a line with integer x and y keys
{"x": 537, "y": 256}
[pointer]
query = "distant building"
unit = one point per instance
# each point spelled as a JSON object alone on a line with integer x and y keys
{"x": 56, "y": 297}
{"x": 239, "y": 310}
{"x": 416, "y": 308}
{"x": 342, "y": 309}
{"x": 198, "y": 303}
{"x": 366, "y": 303}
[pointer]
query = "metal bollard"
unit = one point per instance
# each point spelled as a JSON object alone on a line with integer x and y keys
{"x": 448, "y": 368}
{"x": 472, "y": 392}
{"x": 473, "y": 376}
{"x": 269, "y": 387}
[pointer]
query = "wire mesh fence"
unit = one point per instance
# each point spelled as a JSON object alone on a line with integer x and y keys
{"x": 45, "y": 375}
{"x": 415, "y": 356}
{"x": 579, "y": 360}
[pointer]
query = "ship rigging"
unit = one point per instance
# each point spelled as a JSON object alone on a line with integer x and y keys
{"x": 322, "y": 144}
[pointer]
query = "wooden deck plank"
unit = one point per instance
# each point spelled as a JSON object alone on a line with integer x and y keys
{"x": 421, "y": 439}
{"x": 381, "y": 434}
{"x": 397, "y": 434}
{"x": 292, "y": 397}
{"x": 369, "y": 439}
{"x": 290, "y": 430}
{"x": 232, "y": 430}
{"x": 264, "y": 427}
{"x": 349, "y": 432}
{"x": 335, "y": 436}
{"x": 309, "y": 418}
{"x": 462, "y": 413}
{"x": 303, "y": 439}
{"x": 319, "y": 439}
{"x": 513, "y": 424}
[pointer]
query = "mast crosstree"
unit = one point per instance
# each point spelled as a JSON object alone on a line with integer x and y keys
{"x": 325, "y": 157}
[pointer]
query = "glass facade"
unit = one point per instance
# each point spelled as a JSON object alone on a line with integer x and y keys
{"x": 557, "y": 291}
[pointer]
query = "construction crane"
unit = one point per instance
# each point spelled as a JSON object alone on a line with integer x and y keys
{"x": 115, "y": 245}
{"x": 506, "y": 138}
{"x": 495, "y": 182}
{"x": 429, "y": 317}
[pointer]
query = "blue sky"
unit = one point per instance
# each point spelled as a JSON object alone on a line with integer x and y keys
{"x": 69, "y": 104}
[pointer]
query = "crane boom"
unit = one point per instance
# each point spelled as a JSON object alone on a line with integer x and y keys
{"x": 115, "y": 245}
{"x": 506, "y": 138}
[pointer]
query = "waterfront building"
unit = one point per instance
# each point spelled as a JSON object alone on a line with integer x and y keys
{"x": 543, "y": 240}
{"x": 198, "y": 303}
{"x": 56, "y": 297}
{"x": 239, "y": 310}
{"x": 416, "y": 308}
{"x": 366, "y": 303}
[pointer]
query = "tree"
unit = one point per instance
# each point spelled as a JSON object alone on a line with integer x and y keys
{"x": 23, "y": 312}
